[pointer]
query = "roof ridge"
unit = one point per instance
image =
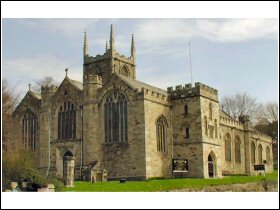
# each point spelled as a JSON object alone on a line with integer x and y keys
{"x": 148, "y": 86}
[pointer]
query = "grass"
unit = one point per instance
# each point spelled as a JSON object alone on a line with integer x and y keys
{"x": 165, "y": 185}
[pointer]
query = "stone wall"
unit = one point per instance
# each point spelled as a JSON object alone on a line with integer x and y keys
{"x": 123, "y": 159}
{"x": 188, "y": 148}
{"x": 158, "y": 164}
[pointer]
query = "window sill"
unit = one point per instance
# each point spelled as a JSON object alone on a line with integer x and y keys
{"x": 115, "y": 144}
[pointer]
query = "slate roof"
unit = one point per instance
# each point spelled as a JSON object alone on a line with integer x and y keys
{"x": 77, "y": 83}
{"x": 139, "y": 85}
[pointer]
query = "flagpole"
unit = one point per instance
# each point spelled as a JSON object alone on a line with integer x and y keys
{"x": 190, "y": 54}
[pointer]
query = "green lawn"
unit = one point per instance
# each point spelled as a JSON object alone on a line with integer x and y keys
{"x": 164, "y": 185}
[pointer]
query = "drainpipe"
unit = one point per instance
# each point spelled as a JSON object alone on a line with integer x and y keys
{"x": 49, "y": 143}
{"x": 82, "y": 142}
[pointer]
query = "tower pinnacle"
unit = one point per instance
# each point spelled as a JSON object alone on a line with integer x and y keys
{"x": 132, "y": 50}
{"x": 112, "y": 39}
{"x": 85, "y": 46}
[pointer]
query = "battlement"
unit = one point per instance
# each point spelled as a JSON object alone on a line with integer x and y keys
{"x": 231, "y": 123}
{"x": 48, "y": 89}
{"x": 206, "y": 88}
{"x": 90, "y": 59}
{"x": 93, "y": 79}
{"x": 181, "y": 91}
{"x": 124, "y": 58}
{"x": 258, "y": 135}
{"x": 154, "y": 95}
{"x": 106, "y": 55}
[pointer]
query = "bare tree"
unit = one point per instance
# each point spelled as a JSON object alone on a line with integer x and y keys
{"x": 241, "y": 104}
{"x": 9, "y": 98}
{"x": 46, "y": 81}
{"x": 270, "y": 111}
{"x": 9, "y": 103}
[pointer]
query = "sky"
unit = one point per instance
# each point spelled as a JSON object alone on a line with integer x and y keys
{"x": 232, "y": 55}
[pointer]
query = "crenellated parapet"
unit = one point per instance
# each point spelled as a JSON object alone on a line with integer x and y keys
{"x": 48, "y": 89}
{"x": 124, "y": 58}
{"x": 188, "y": 90}
{"x": 231, "y": 123}
{"x": 154, "y": 96}
{"x": 263, "y": 137}
{"x": 47, "y": 92}
{"x": 91, "y": 59}
{"x": 92, "y": 79}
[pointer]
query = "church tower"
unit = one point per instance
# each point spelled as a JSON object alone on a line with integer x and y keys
{"x": 110, "y": 62}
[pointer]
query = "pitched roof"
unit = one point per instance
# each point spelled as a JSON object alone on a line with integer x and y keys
{"x": 76, "y": 83}
{"x": 139, "y": 85}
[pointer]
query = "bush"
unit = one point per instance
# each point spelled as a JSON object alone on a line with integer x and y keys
{"x": 15, "y": 165}
{"x": 58, "y": 184}
{"x": 35, "y": 180}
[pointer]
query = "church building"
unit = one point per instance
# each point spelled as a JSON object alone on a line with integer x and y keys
{"x": 134, "y": 130}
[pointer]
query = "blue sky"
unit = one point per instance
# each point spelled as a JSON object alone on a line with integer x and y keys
{"x": 231, "y": 55}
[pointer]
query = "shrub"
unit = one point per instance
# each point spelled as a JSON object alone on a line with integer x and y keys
{"x": 15, "y": 165}
{"x": 58, "y": 184}
{"x": 34, "y": 179}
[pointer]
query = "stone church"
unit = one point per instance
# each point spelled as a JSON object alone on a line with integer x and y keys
{"x": 135, "y": 130}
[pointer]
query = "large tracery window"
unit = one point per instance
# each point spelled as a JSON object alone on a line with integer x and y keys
{"x": 253, "y": 153}
{"x": 29, "y": 130}
{"x": 237, "y": 147}
{"x": 228, "y": 147}
{"x": 267, "y": 154}
{"x": 115, "y": 118}
{"x": 161, "y": 126}
{"x": 67, "y": 121}
{"x": 260, "y": 157}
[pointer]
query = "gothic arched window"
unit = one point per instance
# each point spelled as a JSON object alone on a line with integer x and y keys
{"x": 67, "y": 121}
{"x": 186, "y": 109}
{"x": 210, "y": 111}
{"x": 205, "y": 126}
{"x": 29, "y": 130}
{"x": 267, "y": 154}
{"x": 115, "y": 118}
{"x": 253, "y": 153}
{"x": 260, "y": 158}
{"x": 228, "y": 147}
{"x": 216, "y": 129}
{"x": 125, "y": 71}
{"x": 99, "y": 71}
{"x": 237, "y": 149}
{"x": 161, "y": 125}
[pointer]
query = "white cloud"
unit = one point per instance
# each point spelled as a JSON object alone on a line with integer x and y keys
{"x": 219, "y": 30}
{"x": 66, "y": 26}
{"x": 22, "y": 71}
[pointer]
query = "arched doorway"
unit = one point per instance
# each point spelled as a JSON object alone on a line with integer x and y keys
{"x": 211, "y": 166}
{"x": 65, "y": 159}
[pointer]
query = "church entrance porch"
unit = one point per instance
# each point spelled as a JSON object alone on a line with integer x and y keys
{"x": 211, "y": 166}
{"x": 68, "y": 169}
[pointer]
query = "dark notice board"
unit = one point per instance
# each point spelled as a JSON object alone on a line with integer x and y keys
{"x": 259, "y": 167}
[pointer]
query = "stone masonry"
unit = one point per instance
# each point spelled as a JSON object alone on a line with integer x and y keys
{"x": 127, "y": 141}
